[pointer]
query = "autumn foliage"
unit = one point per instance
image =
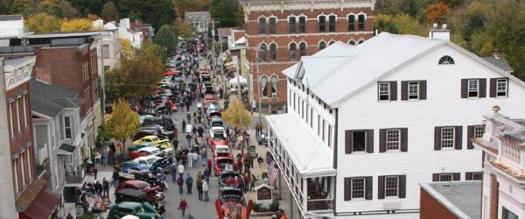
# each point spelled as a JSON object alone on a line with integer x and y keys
{"x": 76, "y": 25}
{"x": 236, "y": 115}
{"x": 438, "y": 12}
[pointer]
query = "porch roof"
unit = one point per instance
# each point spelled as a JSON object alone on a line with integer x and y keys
{"x": 310, "y": 155}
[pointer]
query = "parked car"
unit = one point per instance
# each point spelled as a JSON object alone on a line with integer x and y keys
{"x": 130, "y": 167}
{"x": 232, "y": 194}
{"x": 146, "y": 160}
{"x": 222, "y": 151}
{"x": 141, "y": 210}
{"x": 262, "y": 139}
{"x": 133, "y": 195}
{"x": 164, "y": 163}
{"x": 216, "y": 122}
{"x": 145, "y": 132}
{"x": 153, "y": 191}
{"x": 161, "y": 143}
{"x": 220, "y": 164}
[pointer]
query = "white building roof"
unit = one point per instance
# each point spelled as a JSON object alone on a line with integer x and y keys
{"x": 308, "y": 153}
{"x": 341, "y": 70}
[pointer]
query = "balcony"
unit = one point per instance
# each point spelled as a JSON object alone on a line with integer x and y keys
{"x": 319, "y": 204}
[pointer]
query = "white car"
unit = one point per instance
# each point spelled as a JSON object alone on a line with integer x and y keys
{"x": 149, "y": 150}
{"x": 147, "y": 160}
{"x": 217, "y": 132}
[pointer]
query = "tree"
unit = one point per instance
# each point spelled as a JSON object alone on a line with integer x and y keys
{"x": 76, "y": 25}
{"x": 182, "y": 6}
{"x": 236, "y": 115}
{"x": 402, "y": 24}
{"x": 25, "y": 7}
{"x": 68, "y": 11}
{"x": 126, "y": 49}
{"x": 123, "y": 121}
{"x": 437, "y": 13}
{"x": 109, "y": 12}
{"x": 154, "y": 12}
{"x": 183, "y": 29}
{"x": 42, "y": 23}
{"x": 166, "y": 37}
{"x": 228, "y": 13}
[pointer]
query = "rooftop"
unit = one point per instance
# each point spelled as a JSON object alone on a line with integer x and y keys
{"x": 62, "y": 34}
{"x": 461, "y": 198}
{"x": 49, "y": 100}
{"x": 11, "y": 17}
{"x": 500, "y": 62}
{"x": 308, "y": 153}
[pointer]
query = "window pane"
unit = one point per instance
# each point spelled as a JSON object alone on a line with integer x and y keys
{"x": 273, "y": 22}
{"x": 262, "y": 25}
{"x": 359, "y": 141}
{"x": 361, "y": 21}
{"x": 501, "y": 87}
{"x": 302, "y": 48}
{"x": 322, "y": 24}
{"x": 413, "y": 90}
{"x": 358, "y": 188}
{"x": 322, "y": 45}
{"x": 262, "y": 52}
{"x": 264, "y": 86}
{"x": 292, "y": 24}
{"x": 292, "y": 51}
{"x": 302, "y": 24}
{"x": 275, "y": 83}
{"x": 384, "y": 91}
{"x": 273, "y": 51}
{"x": 445, "y": 177}
{"x": 332, "y": 20}
{"x": 479, "y": 131}
{"x": 473, "y": 88}
{"x": 351, "y": 23}
{"x": 391, "y": 186}
{"x": 447, "y": 137}
{"x": 393, "y": 139}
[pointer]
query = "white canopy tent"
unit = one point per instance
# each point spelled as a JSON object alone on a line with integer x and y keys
{"x": 238, "y": 79}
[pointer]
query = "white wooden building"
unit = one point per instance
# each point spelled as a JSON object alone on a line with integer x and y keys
{"x": 367, "y": 123}
{"x": 503, "y": 166}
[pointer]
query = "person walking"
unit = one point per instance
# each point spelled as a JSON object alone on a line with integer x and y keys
{"x": 199, "y": 185}
{"x": 180, "y": 168}
{"x": 189, "y": 184}
{"x": 105, "y": 187}
{"x": 207, "y": 174}
{"x": 116, "y": 178}
{"x": 183, "y": 205}
{"x": 180, "y": 183}
{"x": 183, "y": 125}
{"x": 253, "y": 180}
{"x": 173, "y": 169}
{"x": 205, "y": 190}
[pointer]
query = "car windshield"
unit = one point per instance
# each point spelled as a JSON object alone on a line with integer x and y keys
{"x": 231, "y": 195}
{"x": 223, "y": 162}
{"x": 223, "y": 150}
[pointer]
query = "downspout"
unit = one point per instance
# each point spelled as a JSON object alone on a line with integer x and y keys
{"x": 336, "y": 128}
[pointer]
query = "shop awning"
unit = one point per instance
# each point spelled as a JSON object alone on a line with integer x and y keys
{"x": 310, "y": 155}
{"x": 43, "y": 206}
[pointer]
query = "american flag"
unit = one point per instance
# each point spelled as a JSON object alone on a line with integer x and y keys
{"x": 272, "y": 173}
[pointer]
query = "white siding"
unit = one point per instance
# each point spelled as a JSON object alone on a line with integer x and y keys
{"x": 443, "y": 106}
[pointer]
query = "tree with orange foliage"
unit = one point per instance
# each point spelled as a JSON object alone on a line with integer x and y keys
{"x": 76, "y": 25}
{"x": 438, "y": 12}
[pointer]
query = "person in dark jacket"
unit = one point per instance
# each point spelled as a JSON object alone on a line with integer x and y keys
{"x": 189, "y": 184}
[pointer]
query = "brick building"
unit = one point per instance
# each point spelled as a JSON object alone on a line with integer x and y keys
{"x": 279, "y": 32}
{"x": 450, "y": 200}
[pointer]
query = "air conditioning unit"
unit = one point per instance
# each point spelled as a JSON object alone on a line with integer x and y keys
{"x": 274, "y": 95}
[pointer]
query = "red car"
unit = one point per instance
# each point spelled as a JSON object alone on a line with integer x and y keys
{"x": 153, "y": 192}
{"x": 222, "y": 151}
{"x": 222, "y": 163}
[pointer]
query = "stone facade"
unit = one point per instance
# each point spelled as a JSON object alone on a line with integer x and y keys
{"x": 279, "y": 34}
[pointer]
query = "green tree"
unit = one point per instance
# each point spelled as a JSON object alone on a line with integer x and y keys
{"x": 42, "y": 23}
{"x": 109, "y": 12}
{"x": 228, "y": 13}
{"x": 236, "y": 115}
{"x": 123, "y": 121}
{"x": 154, "y": 12}
{"x": 25, "y": 7}
{"x": 166, "y": 37}
{"x": 402, "y": 24}
{"x": 68, "y": 11}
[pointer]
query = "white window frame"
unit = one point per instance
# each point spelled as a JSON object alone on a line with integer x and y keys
{"x": 66, "y": 127}
{"x": 11, "y": 126}
{"x": 391, "y": 143}
{"x": 381, "y": 91}
{"x": 479, "y": 130}
{"x": 410, "y": 93}
{"x": 353, "y": 187}
{"x": 442, "y": 175}
{"x": 447, "y": 139}
{"x": 18, "y": 115}
{"x": 15, "y": 166}
{"x": 503, "y": 85}
{"x": 473, "y": 86}
{"x": 395, "y": 189}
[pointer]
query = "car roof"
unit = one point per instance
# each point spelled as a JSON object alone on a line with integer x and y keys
{"x": 129, "y": 205}
{"x": 221, "y": 146}
{"x": 148, "y": 149}
{"x": 147, "y": 157}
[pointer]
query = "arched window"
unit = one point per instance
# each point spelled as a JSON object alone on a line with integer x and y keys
{"x": 446, "y": 60}
{"x": 275, "y": 84}
{"x": 322, "y": 45}
{"x": 361, "y": 22}
{"x": 272, "y": 22}
{"x": 302, "y": 24}
{"x": 351, "y": 22}
{"x": 292, "y": 22}
{"x": 302, "y": 48}
{"x": 264, "y": 86}
{"x": 292, "y": 51}
{"x": 322, "y": 23}
{"x": 262, "y": 25}
{"x": 273, "y": 51}
{"x": 262, "y": 52}
{"x": 351, "y": 42}
{"x": 331, "y": 23}
{"x": 331, "y": 42}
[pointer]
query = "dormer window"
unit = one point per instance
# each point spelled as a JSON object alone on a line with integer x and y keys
{"x": 446, "y": 60}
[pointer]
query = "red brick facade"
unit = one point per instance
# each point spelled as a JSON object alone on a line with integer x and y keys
{"x": 72, "y": 67}
{"x": 283, "y": 38}
{"x": 432, "y": 209}
{"x": 21, "y": 137}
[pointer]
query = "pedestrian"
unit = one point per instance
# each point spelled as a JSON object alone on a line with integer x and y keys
{"x": 188, "y": 139}
{"x": 189, "y": 184}
{"x": 199, "y": 185}
{"x": 183, "y": 205}
{"x": 69, "y": 216}
{"x": 205, "y": 190}
{"x": 190, "y": 160}
{"x": 207, "y": 173}
{"x": 95, "y": 172}
{"x": 183, "y": 125}
{"x": 105, "y": 187}
{"x": 200, "y": 130}
{"x": 246, "y": 181}
{"x": 253, "y": 180}
{"x": 98, "y": 188}
{"x": 180, "y": 183}
{"x": 116, "y": 178}
{"x": 173, "y": 169}
{"x": 282, "y": 215}
{"x": 180, "y": 168}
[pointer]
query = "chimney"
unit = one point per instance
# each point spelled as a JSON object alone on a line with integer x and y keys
{"x": 437, "y": 32}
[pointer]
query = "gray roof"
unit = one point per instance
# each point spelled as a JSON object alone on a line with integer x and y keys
{"x": 461, "y": 198}
{"x": 499, "y": 62}
{"x": 50, "y": 99}
{"x": 11, "y": 17}
{"x": 67, "y": 147}
{"x": 197, "y": 16}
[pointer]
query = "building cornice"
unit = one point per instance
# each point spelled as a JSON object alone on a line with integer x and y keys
{"x": 282, "y": 5}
